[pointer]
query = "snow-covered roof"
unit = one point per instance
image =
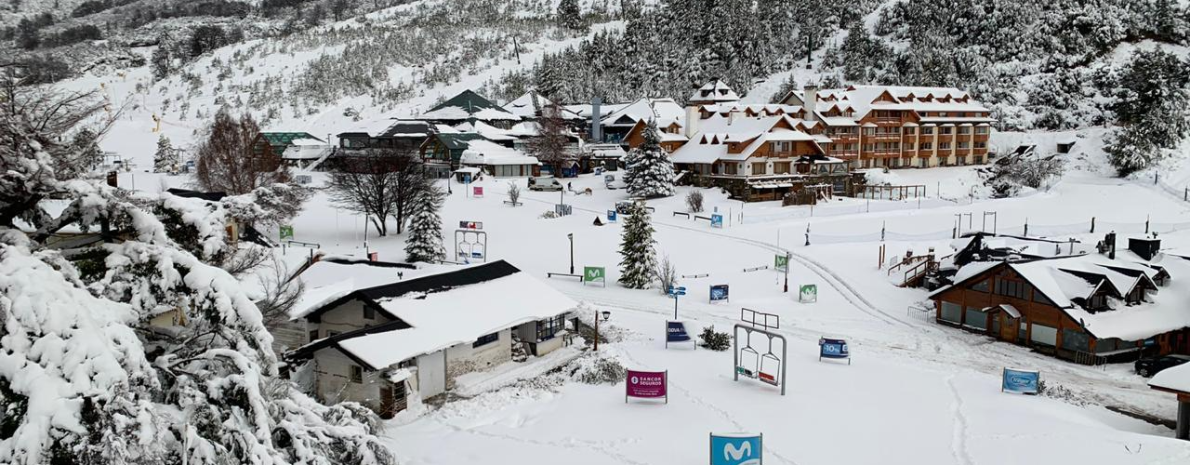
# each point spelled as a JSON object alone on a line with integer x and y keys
{"x": 710, "y": 143}
{"x": 451, "y": 315}
{"x": 306, "y": 150}
{"x": 585, "y": 109}
{"x": 531, "y": 103}
{"x": 644, "y": 110}
{"x": 482, "y": 152}
{"x": 605, "y": 150}
{"x": 1173, "y": 379}
{"x": 467, "y": 105}
{"x": 331, "y": 278}
{"x": 488, "y": 131}
{"x": 714, "y": 91}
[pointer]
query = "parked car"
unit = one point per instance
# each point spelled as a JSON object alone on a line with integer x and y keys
{"x": 1152, "y": 365}
{"x": 544, "y": 183}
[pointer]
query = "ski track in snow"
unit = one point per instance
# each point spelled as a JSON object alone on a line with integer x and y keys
{"x": 959, "y": 440}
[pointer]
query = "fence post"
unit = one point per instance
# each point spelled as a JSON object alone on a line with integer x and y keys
{"x": 1092, "y": 224}
{"x": 882, "y": 224}
{"x": 1026, "y": 227}
{"x": 1146, "y": 224}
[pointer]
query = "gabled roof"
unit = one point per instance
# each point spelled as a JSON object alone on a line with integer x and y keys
{"x": 442, "y": 310}
{"x": 531, "y": 105}
{"x": 457, "y": 140}
{"x": 645, "y": 109}
{"x": 466, "y": 105}
{"x": 285, "y": 138}
{"x": 714, "y": 92}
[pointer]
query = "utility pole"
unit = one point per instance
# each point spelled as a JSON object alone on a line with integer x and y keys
{"x": 788, "y": 255}
{"x": 571, "y": 237}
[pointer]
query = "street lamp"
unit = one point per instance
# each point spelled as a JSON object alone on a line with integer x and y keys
{"x": 571, "y": 237}
{"x": 604, "y": 315}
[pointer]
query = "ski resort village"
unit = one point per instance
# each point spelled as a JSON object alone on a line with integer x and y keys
{"x": 439, "y": 232}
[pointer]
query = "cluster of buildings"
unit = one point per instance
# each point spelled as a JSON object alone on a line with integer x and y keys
{"x": 807, "y": 146}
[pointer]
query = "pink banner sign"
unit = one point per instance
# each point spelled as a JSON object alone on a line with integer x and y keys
{"x": 647, "y": 385}
{"x": 478, "y": 191}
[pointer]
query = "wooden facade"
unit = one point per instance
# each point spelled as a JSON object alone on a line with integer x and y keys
{"x": 986, "y": 303}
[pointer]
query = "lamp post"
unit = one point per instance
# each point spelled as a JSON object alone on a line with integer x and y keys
{"x": 605, "y": 315}
{"x": 571, "y": 237}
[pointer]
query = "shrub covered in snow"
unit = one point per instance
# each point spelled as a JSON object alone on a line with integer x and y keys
{"x": 1009, "y": 174}
{"x": 597, "y": 370}
{"x": 714, "y": 340}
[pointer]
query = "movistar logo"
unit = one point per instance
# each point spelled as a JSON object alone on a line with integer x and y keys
{"x": 730, "y": 452}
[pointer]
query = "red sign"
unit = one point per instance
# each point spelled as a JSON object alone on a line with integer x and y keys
{"x": 478, "y": 191}
{"x": 374, "y": 257}
{"x": 647, "y": 384}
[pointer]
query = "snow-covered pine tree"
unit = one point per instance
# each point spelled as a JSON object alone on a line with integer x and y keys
{"x": 652, "y": 171}
{"x": 425, "y": 229}
{"x": 639, "y": 259}
{"x": 569, "y": 15}
{"x": 166, "y": 158}
{"x": 88, "y": 373}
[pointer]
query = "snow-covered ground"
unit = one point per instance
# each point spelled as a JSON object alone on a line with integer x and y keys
{"x": 916, "y": 392}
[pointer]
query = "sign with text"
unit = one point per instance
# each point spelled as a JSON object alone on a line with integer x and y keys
{"x": 675, "y": 331}
{"x": 611, "y": 216}
{"x": 470, "y": 225}
{"x": 830, "y": 347}
{"x": 477, "y": 191}
{"x": 807, "y": 293}
{"x": 646, "y": 385}
{"x": 716, "y": 220}
{"x": 562, "y": 209}
{"x": 286, "y": 232}
{"x": 736, "y": 449}
{"x": 719, "y": 292}
{"x": 594, "y": 274}
{"x": 1021, "y": 381}
{"x": 780, "y": 262}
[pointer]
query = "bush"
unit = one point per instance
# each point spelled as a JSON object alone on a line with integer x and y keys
{"x": 694, "y": 201}
{"x": 714, "y": 340}
{"x": 591, "y": 370}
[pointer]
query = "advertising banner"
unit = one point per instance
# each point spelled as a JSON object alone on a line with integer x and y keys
{"x": 807, "y": 293}
{"x": 716, "y": 220}
{"x": 832, "y": 348}
{"x": 471, "y": 225}
{"x": 477, "y": 191}
{"x": 737, "y": 449}
{"x": 780, "y": 262}
{"x": 646, "y": 385}
{"x": 675, "y": 331}
{"x": 286, "y": 232}
{"x": 595, "y": 274}
{"x": 719, "y": 292}
{"x": 563, "y": 209}
{"x": 611, "y": 216}
{"x": 1020, "y": 381}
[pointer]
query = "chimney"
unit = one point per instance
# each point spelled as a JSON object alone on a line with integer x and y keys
{"x": 734, "y": 115}
{"x": 693, "y": 116}
{"x": 596, "y": 116}
{"x": 810, "y": 101}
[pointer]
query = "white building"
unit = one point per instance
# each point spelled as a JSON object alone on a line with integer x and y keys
{"x": 413, "y": 337}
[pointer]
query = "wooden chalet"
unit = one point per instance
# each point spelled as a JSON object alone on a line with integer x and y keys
{"x": 443, "y": 152}
{"x": 1090, "y": 309}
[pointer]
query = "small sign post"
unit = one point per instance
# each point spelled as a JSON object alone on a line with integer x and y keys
{"x": 737, "y": 449}
{"x": 563, "y": 209}
{"x": 720, "y": 292}
{"x": 675, "y": 331}
{"x": 833, "y": 347}
{"x": 807, "y": 293}
{"x": 594, "y": 274}
{"x": 675, "y": 292}
{"x": 611, "y": 216}
{"x": 647, "y": 385}
{"x": 1020, "y": 381}
{"x": 477, "y": 192}
{"x": 287, "y": 232}
{"x": 781, "y": 262}
{"x": 717, "y": 221}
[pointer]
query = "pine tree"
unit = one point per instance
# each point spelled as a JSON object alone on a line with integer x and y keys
{"x": 639, "y": 259}
{"x": 166, "y": 158}
{"x": 652, "y": 171}
{"x": 569, "y": 15}
{"x": 425, "y": 229}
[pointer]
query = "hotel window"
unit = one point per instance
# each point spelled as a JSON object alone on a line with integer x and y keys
{"x": 976, "y": 319}
{"x": 1044, "y": 335}
{"x": 943, "y": 114}
{"x": 781, "y": 167}
{"x": 981, "y": 145}
{"x": 758, "y": 168}
{"x": 867, "y": 147}
{"x": 964, "y": 130}
{"x": 944, "y": 145}
{"x": 981, "y": 130}
{"x": 1011, "y": 288}
{"x": 951, "y": 312}
{"x": 928, "y": 131}
{"x": 947, "y": 130}
{"x": 927, "y": 145}
{"x": 869, "y": 131}
{"x": 909, "y": 146}
{"x": 980, "y": 286}
{"x": 962, "y": 145}
{"x": 910, "y": 130}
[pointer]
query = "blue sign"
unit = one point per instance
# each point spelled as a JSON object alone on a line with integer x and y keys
{"x": 832, "y": 348}
{"x": 1020, "y": 381}
{"x": 675, "y": 331}
{"x": 676, "y": 291}
{"x": 719, "y": 292}
{"x": 716, "y": 220}
{"x": 611, "y": 216}
{"x": 736, "y": 449}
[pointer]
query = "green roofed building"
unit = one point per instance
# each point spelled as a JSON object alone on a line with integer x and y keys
{"x": 442, "y": 152}
{"x": 470, "y": 106}
{"x": 275, "y": 143}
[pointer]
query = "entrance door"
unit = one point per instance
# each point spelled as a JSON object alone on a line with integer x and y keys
{"x": 1008, "y": 327}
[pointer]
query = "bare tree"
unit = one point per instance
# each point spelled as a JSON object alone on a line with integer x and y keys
{"x": 551, "y": 145}
{"x": 666, "y": 273}
{"x": 280, "y": 293}
{"x": 514, "y": 193}
{"x": 694, "y": 201}
{"x": 369, "y": 184}
{"x": 227, "y": 162}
